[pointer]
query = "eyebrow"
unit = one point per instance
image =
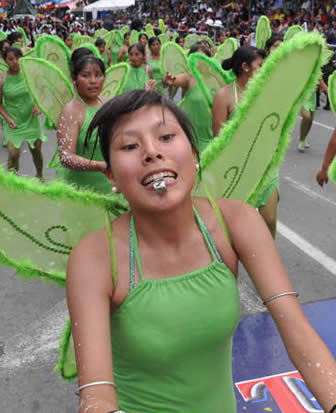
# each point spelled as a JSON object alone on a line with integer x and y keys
{"x": 134, "y": 132}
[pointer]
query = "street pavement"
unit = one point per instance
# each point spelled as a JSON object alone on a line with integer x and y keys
{"x": 32, "y": 314}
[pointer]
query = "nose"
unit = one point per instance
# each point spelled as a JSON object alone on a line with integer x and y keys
{"x": 151, "y": 153}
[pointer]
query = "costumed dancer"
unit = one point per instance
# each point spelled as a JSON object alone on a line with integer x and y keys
{"x": 244, "y": 63}
{"x": 329, "y": 156}
{"x": 180, "y": 41}
{"x": 84, "y": 172}
{"x": 68, "y": 40}
{"x": 140, "y": 76}
{"x": 105, "y": 54}
{"x": 123, "y": 51}
{"x": 21, "y": 117}
{"x": 182, "y": 283}
{"x": 154, "y": 62}
{"x": 193, "y": 101}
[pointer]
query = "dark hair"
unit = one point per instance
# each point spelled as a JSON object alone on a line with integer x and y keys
{"x": 80, "y": 64}
{"x": 16, "y": 51}
{"x": 79, "y": 53}
{"x": 152, "y": 40}
{"x": 65, "y": 35}
{"x": 137, "y": 24}
{"x": 126, "y": 34}
{"x": 139, "y": 48}
{"x": 13, "y": 37}
{"x": 157, "y": 31}
{"x": 199, "y": 46}
{"x": 273, "y": 39}
{"x": 243, "y": 54}
{"x": 111, "y": 112}
{"x": 178, "y": 39}
{"x": 143, "y": 34}
{"x": 2, "y": 43}
{"x": 100, "y": 42}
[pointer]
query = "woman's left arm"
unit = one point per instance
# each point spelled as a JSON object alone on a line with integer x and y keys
{"x": 257, "y": 251}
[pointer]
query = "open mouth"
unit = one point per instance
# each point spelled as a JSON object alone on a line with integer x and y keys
{"x": 167, "y": 176}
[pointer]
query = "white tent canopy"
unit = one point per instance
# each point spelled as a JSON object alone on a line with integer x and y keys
{"x": 103, "y": 5}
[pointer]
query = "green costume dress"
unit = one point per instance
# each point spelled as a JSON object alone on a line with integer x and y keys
{"x": 198, "y": 112}
{"x": 95, "y": 181}
{"x": 172, "y": 338}
{"x": 19, "y": 105}
{"x": 114, "y": 53}
{"x": 104, "y": 58}
{"x": 136, "y": 79}
{"x": 157, "y": 75}
{"x": 310, "y": 103}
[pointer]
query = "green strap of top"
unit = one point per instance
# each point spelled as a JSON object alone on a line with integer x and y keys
{"x": 110, "y": 237}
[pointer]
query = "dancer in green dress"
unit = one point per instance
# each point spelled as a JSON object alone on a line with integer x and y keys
{"x": 104, "y": 53}
{"x": 21, "y": 117}
{"x": 123, "y": 51}
{"x": 154, "y": 62}
{"x": 193, "y": 102}
{"x": 83, "y": 167}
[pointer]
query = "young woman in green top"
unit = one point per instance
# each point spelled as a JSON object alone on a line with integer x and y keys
{"x": 105, "y": 54}
{"x": 153, "y": 297}
{"x": 154, "y": 62}
{"x": 21, "y": 117}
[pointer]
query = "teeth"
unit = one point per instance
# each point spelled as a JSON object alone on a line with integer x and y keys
{"x": 157, "y": 177}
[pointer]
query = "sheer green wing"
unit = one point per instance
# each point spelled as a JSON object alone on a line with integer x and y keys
{"x": 332, "y": 171}
{"x": 124, "y": 30}
{"x": 40, "y": 223}
{"x": 115, "y": 77}
{"x": 209, "y": 75}
{"x": 209, "y": 40}
{"x": 30, "y": 53}
{"x": 25, "y": 40}
{"x": 3, "y": 67}
{"x": 134, "y": 38}
{"x": 332, "y": 91}
{"x": 100, "y": 33}
{"x": 162, "y": 26}
{"x": 55, "y": 51}
{"x": 226, "y": 50}
{"x": 173, "y": 59}
{"x": 263, "y": 32}
{"x": 191, "y": 39}
{"x": 292, "y": 31}
{"x": 79, "y": 40}
{"x": 175, "y": 36}
{"x": 250, "y": 147}
{"x": 3, "y": 35}
{"x": 150, "y": 30}
{"x": 164, "y": 38}
{"x": 93, "y": 49}
{"x": 120, "y": 36}
{"x": 49, "y": 87}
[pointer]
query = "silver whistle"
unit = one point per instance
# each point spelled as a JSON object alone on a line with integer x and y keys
{"x": 160, "y": 186}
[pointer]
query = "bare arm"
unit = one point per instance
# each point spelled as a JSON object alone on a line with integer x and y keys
{"x": 322, "y": 176}
{"x": 220, "y": 110}
{"x": 3, "y": 111}
{"x": 183, "y": 80}
{"x": 89, "y": 280}
{"x": 109, "y": 58}
{"x": 257, "y": 251}
{"x": 121, "y": 54}
{"x": 68, "y": 127}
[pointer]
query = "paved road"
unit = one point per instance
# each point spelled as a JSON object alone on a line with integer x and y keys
{"x": 32, "y": 314}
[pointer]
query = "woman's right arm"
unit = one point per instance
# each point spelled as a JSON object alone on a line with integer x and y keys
{"x": 220, "y": 110}
{"x": 89, "y": 291}
{"x": 3, "y": 111}
{"x": 68, "y": 127}
{"x": 121, "y": 54}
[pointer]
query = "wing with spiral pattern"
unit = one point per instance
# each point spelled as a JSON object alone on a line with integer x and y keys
{"x": 54, "y": 50}
{"x": 115, "y": 77}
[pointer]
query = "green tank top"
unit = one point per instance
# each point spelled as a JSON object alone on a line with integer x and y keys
{"x": 157, "y": 75}
{"x": 136, "y": 79}
{"x": 172, "y": 339}
{"x": 198, "y": 112}
{"x": 114, "y": 53}
{"x": 95, "y": 181}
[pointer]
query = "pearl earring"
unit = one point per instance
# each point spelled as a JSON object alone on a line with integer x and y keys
{"x": 197, "y": 167}
{"x": 114, "y": 189}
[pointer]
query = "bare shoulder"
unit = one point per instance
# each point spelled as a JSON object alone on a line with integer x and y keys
{"x": 223, "y": 92}
{"x": 3, "y": 78}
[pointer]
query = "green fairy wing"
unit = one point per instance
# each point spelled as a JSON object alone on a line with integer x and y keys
{"x": 173, "y": 59}
{"x": 162, "y": 26}
{"x": 292, "y": 31}
{"x": 332, "y": 171}
{"x": 332, "y": 91}
{"x": 191, "y": 39}
{"x": 164, "y": 38}
{"x": 150, "y": 30}
{"x": 109, "y": 38}
{"x": 263, "y": 32}
{"x": 134, "y": 38}
{"x": 120, "y": 36}
{"x": 3, "y": 67}
{"x": 209, "y": 75}
{"x": 250, "y": 147}
{"x": 79, "y": 40}
{"x": 226, "y": 50}
{"x": 3, "y": 35}
{"x": 50, "y": 88}
{"x": 100, "y": 33}
{"x": 124, "y": 30}
{"x": 40, "y": 223}
{"x": 55, "y": 51}
{"x": 25, "y": 40}
{"x": 209, "y": 40}
{"x": 175, "y": 36}
{"x": 115, "y": 77}
{"x": 93, "y": 49}
{"x": 30, "y": 53}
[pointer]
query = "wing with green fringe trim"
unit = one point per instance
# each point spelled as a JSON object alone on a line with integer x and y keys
{"x": 79, "y": 40}
{"x": 40, "y": 223}
{"x": 173, "y": 59}
{"x": 134, "y": 38}
{"x": 191, "y": 39}
{"x": 164, "y": 38}
{"x": 150, "y": 30}
{"x": 209, "y": 75}
{"x": 124, "y": 30}
{"x": 263, "y": 32}
{"x": 93, "y": 49}
{"x": 100, "y": 33}
{"x": 209, "y": 40}
{"x": 226, "y": 50}
{"x": 332, "y": 91}
{"x": 115, "y": 78}
{"x": 292, "y": 31}
{"x": 25, "y": 40}
{"x": 250, "y": 147}
{"x": 162, "y": 26}
{"x": 50, "y": 89}
{"x": 30, "y": 53}
{"x": 54, "y": 51}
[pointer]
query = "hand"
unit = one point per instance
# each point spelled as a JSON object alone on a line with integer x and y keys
{"x": 322, "y": 177}
{"x": 36, "y": 111}
{"x": 169, "y": 79}
{"x": 11, "y": 123}
{"x": 150, "y": 85}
